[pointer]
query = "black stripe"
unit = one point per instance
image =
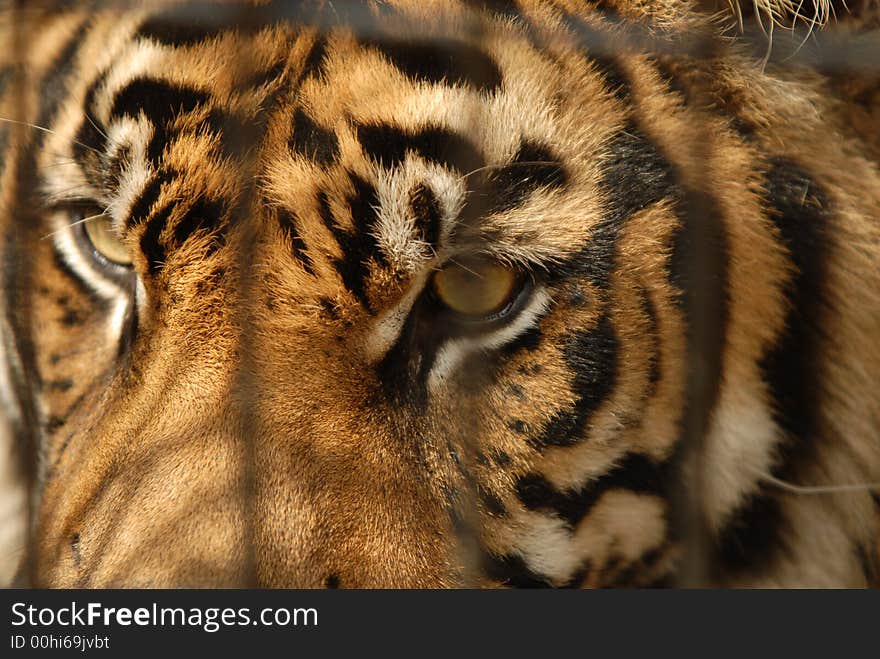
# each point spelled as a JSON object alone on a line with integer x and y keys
{"x": 177, "y": 34}
{"x": 799, "y": 209}
{"x": 425, "y": 209}
{"x": 159, "y": 100}
{"x": 171, "y": 29}
{"x": 404, "y": 369}
{"x": 363, "y": 205}
{"x": 752, "y": 534}
{"x": 359, "y": 245}
{"x": 151, "y": 248}
{"x": 312, "y": 141}
{"x": 129, "y": 331}
{"x": 635, "y": 175}
{"x": 288, "y": 222}
{"x": 314, "y": 64}
{"x": 267, "y": 76}
{"x": 156, "y": 146}
{"x": 448, "y": 61}
{"x": 204, "y": 213}
{"x": 592, "y": 356}
{"x": 389, "y": 145}
{"x": 671, "y": 71}
{"x": 194, "y": 23}
{"x": 533, "y": 167}
{"x": 636, "y": 473}
{"x": 614, "y": 76}
{"x": 140, "y": 208}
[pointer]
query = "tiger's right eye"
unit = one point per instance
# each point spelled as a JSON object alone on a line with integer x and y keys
{"x": 105, "y": 241}
{"x": 477, "y": 290}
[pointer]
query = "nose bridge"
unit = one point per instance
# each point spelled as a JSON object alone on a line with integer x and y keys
{"x": 341, "y": 495}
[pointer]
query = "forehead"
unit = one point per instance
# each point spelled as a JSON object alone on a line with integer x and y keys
{"x": 469, "y": 122}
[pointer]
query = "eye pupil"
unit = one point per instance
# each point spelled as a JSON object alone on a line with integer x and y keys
{"x": 476, "y": 289}
{"x": 106, "y": 242}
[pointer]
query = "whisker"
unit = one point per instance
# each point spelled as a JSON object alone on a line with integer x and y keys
{"x": 59, "y": 163}
{"x": 818, "y": 489}
{"x": 509, "y": 164}
{"x": 49, "y": 131}
{"x": 464, "y": 267}
{"x": 82, "y": 192}
{"x": 95, "y": 126}
{"x": 73, "y": 224}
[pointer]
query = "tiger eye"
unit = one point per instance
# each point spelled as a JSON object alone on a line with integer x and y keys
{"x": 106, "y": 241}
{"x": 476, "y": 288}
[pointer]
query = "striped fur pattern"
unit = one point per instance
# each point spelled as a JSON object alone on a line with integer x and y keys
{"x": 269, "y": 395}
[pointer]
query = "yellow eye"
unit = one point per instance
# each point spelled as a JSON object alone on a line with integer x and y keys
{"x": 476, "y": 288}
{"x": 105, "y": 240}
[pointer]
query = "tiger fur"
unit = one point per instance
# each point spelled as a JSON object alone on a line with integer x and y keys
{"x": 272, "y": 396}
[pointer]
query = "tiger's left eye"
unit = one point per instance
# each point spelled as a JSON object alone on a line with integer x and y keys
{"x": 106, "y": 241}
{"x": 477, "y": 289}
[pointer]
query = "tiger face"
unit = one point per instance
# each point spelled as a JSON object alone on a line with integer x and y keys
{"x": 432, "y": 295}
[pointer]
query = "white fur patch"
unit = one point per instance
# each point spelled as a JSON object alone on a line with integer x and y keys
{"x": 738, "y": 447}
{"x": 455, "y": 351}
{"x": 390, "y": 324}
{"x": 89, "y": 273}
{"x": 547, "y": 547}
{"x": 395, "y": 230}
{"x": 136, "y": 169}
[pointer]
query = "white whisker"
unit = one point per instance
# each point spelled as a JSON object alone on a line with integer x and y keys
{"x": 73, "y": 224}
{"x": 817, "y": 489}
{"x": 47, "y": 130}
{"x": 95, "y": 126}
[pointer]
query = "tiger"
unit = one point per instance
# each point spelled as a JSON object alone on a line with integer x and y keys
{"x": 441, "y": 294}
